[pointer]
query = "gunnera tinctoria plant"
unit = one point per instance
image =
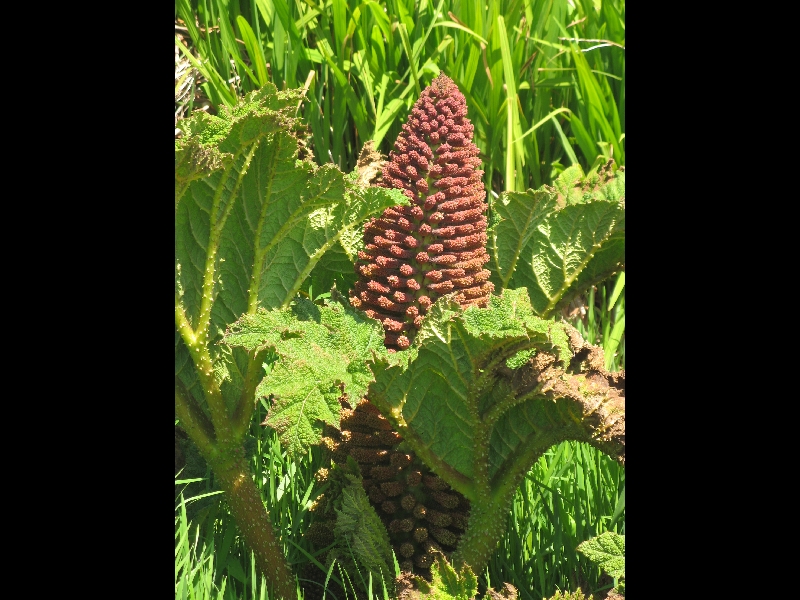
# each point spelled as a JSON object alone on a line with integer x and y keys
{"x": 415, "y": 254}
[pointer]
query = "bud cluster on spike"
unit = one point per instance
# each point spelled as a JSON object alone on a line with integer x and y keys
{"x": 420, "y": 511}
{"x": 415, "y": 254}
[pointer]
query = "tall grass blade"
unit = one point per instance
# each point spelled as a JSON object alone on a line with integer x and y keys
{"x": 218, "y": 90}
{"x": 612, "y": 342}
{"x": 573, "y": 160}
{"x": 618, "y": 287}
{"x": 254, "y": 50}
{"x": 542, "y": 122}
{"x": 410, "y": 54}
{"x": 463, "y": 28}
{"x": 340, "y": 24}
{"x": 514, "y": 150}
{"x": 618, "y": 508}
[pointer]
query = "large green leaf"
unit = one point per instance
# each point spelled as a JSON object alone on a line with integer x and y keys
{"x": 456, "y": 381}
{"x": 559, "y": 240}
{"x": 252, "y": 221}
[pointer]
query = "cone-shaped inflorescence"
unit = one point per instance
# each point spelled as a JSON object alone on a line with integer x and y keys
{"x": 415, "y": 254}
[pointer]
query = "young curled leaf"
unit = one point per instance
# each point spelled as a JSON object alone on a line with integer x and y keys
{"x": 324, "y": 353}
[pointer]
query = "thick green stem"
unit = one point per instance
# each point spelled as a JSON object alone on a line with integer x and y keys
{"x": 194, "y": 422}
{"x": 485, "y": 528}
{"x": 254, "y": 523}
{"x": 231, "y": 471}
{"x": 204, "y": 366}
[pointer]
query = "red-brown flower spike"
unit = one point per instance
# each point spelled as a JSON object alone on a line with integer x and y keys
{"x": 415, "y": 254}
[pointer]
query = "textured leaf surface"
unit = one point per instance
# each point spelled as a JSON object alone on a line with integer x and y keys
{"x": 607, "y": 551}
{"x": 359, "y": 527}
{"x": 446, "y": 583}
{"x": 252, "y": 221}
{"x": 323, "y": 353}
{"x": 458, "y": 377}
{"x": 336, "y": 266}
{"x": 559, "y": 240}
